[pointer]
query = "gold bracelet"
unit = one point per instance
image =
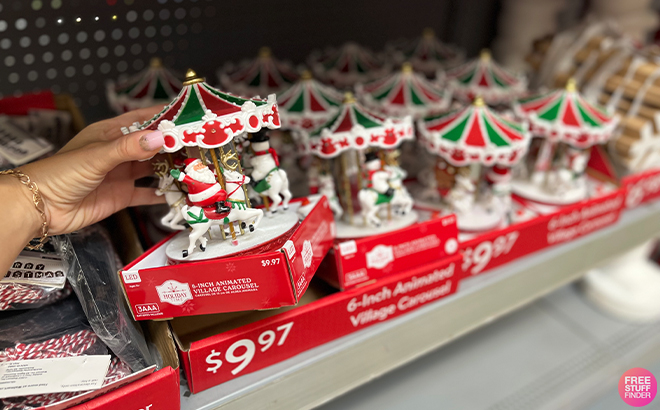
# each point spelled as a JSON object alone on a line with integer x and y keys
{"x": 38, "y": 203}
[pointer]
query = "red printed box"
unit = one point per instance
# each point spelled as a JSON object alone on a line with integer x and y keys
{"x": 495, "y": 248}
{"x": 157, "y": 391}
{"x": 156, "y": 290}
{"x": 218, "y": 348}
{"x": 641, "y": 188}
{"x": 355, "y": 262}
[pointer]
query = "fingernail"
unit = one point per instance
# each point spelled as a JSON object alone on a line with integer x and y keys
{"x": 152, "y": 141}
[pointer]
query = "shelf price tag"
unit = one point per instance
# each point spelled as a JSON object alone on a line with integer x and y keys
{"x": 478, "y": 257}
{"x": 241, "y": 352}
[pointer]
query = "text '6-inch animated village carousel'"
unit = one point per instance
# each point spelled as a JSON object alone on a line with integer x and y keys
{"x": 208, "y": 133}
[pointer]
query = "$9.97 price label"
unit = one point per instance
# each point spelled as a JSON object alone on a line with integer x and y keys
{"x": 478, "y": 257}
{"x": 241, "y": 352}
{"x": 270, "y": 262}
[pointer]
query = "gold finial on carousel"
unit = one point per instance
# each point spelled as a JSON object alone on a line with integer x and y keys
{"x": 571, "y": 85}
{"x": 192, "y": 78}
{"x": 349, "y": 98}
{"x": 306, "y": 75}
{"x": 156, "y": 62}
{"x": 478, "y": 101}
{"x": 406, "y": 68}
{"x": 485, "y": 55}
{"x": 428, "y": 33}
{"x": 264, "y": 52}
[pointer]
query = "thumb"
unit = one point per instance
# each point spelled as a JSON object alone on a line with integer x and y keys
{"x": 139, "y": 145}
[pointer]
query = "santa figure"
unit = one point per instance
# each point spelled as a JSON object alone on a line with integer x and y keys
{"x": 377, "y": 177}
{"x": 203, "y": 188}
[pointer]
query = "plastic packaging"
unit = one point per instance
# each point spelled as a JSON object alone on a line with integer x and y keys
{"x": 91, "y": 265}
{"x": 54, "y": 331}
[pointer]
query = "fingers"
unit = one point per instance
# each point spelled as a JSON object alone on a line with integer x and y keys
{"x": 136, "y": 146}
{"x": 110, "y": 129}
{"x": 146, "y": 196}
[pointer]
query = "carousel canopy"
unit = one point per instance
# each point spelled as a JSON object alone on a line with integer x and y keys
{"x": 347, "y": 65}
{"x": 487, "y": 79}
{"x": 428, "y": 54}
{"x": 261, "y": 76}
{"x": 148, "y": 87}
{"x": 308, "y": 104}
{"x": 354, "y": 127}
{"x": 565, "y": 116}
{"x": 404, "y": 93}
{"x": 209, "y": 118}
{"x": 474, "y": 134}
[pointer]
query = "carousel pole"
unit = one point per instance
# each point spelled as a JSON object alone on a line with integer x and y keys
{"x": 347, "y": 187}
{"x": 202, "y": 157}
{"x": 170, "y": 161}
{"x": 221, "y": 179}
{"x": 359, "y": 168}
{"x": 381, "y": 154}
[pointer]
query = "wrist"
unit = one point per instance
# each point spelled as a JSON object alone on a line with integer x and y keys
{"x": 20, "y": 207}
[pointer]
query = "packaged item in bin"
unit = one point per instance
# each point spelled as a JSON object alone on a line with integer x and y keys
{"x": 35, "y": 279}
{"x": 92, "y": 265}
{"x": 55, "y": 331}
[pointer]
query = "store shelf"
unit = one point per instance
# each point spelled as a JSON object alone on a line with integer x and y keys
{"x": 558, "y": 350}
{"x": 316, "y": 376}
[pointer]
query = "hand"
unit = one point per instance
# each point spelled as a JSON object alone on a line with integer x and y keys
{"x": 93, "y": 176}
{"x": 175, "y": 173}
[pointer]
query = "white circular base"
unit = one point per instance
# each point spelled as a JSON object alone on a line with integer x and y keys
{"x": 629, "y": 291}
{"x": 537, "y": 193}
{"x": 270, "y": 228}
{"x": 360, "y": 230}
{"x": 479, "y": 218}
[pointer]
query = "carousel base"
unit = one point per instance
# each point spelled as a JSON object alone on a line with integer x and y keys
{"x": 534, "y": 192}
{"x": 482, "y": 217}
{"x": 270, "y": 228}
{"x": 359, "y": 229}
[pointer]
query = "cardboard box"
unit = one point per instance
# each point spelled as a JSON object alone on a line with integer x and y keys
{"x": 148, "y": 387}
{"x": 495, "y": 248}
{"x": 218, "y": 348}
{"x": 641, "y": 187}
{"x": 156, "y": 290}
{"x": 358, "y": 261}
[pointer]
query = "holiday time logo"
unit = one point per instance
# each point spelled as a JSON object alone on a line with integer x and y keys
{"x": 174, "y": 293}
{"x": 379, "y": 257}
{"x": 307, "y": 254}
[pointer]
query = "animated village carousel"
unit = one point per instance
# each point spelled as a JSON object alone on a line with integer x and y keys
{"x": 203, "y": 179}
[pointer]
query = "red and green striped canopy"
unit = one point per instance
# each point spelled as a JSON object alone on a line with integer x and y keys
{"x": 149, "y": 87}
{"x": 428, "y": 54}
{"x": 565, "y": 116}
{"x": 474, "y": 134}
{"x": 209, "y": 118}
{"x": 404, "y": 93}
{"x": 308, "y": 104}
{"x": 347, "y": 65}
{"x": 355, "y": 127}
{"x": 261, "y": 76}
{"x": 483, "y": 77}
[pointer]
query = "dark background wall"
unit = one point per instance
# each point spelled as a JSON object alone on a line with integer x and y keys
{"x": 75, "y": 46}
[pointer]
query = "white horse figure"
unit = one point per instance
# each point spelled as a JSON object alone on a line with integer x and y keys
{"x": 327, "y": 188}
{"x": 402, "y": 201}
{"x": 175, "y": 199}
{"x": 272, "y": 181}
{"x": 375, "y": 198}
{"x": 461, "y": 196}
{"x": 249, "y": 218}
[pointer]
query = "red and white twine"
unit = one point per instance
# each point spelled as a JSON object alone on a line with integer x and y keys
{"x": 65, "y": 346}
